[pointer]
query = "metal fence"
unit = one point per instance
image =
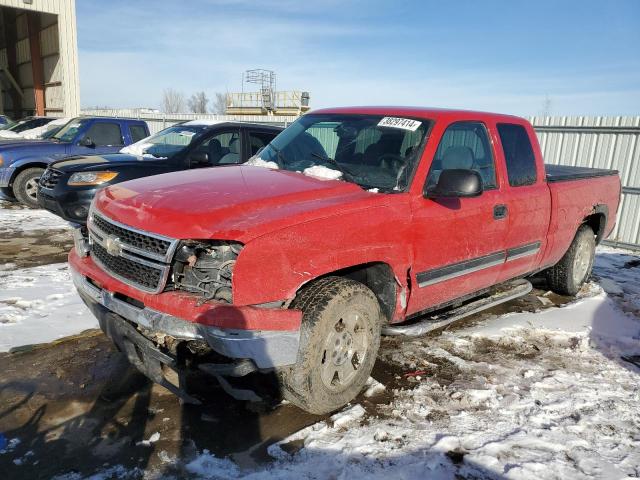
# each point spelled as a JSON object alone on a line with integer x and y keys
{"x": 158, "y": 121}
{"x": 600, "y": 142}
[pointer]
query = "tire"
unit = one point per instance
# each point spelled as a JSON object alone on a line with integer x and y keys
{"x": 25, "y": 186}
{"x": 567, "y": 276}
{"x": 8, "y": 193}
{"x": 339, "y": 342}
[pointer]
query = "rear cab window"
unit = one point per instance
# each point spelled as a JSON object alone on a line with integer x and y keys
{"x": 518, "y": 154}
{"x": 138, "y": 132}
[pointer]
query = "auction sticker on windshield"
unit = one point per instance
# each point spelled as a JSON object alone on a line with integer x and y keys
{"x": 403, "y": 123}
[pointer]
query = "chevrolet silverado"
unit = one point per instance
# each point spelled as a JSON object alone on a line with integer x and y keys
{"x": 350, "y": 223}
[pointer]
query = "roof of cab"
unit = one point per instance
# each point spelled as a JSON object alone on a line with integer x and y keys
{"x": 421, "y": 112}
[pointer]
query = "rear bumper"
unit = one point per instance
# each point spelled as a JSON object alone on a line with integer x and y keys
{"x": 5, "y": 176}
{"x": 267, "y": 348}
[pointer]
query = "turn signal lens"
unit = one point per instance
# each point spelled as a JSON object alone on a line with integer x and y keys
{"x": 1, "y": 160}
{"x": 91, "y": 178}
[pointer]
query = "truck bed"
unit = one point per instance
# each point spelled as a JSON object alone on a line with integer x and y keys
{"x": 563, "y": 173}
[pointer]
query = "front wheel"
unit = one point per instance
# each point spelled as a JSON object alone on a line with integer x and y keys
{"x": 339, "y": 341}
{"x": 25, "y": 186}
{"x": 567, "y": 276}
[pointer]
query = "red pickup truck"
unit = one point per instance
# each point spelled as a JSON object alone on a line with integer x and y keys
{"x": 350, "y": 222}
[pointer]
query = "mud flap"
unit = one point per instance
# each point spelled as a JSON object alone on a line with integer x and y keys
{"x": 144, "y": 355}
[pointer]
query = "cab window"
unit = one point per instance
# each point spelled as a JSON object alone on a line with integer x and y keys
{"x": 220, "y": 149}
{"x": 465, "y": 145}
{"x": 105, "y": 134}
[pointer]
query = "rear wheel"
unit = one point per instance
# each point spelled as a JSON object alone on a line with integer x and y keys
{"x": 339, "y": 341}
{"x": 567, "y": 276}
{"x": 25, "y": 186}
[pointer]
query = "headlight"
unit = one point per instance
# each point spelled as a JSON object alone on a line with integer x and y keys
{"x": 206, "y": 268}
{"x": 91, "y": 178}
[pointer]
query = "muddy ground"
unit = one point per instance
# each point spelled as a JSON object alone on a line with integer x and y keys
{"x": 77, "y": 405}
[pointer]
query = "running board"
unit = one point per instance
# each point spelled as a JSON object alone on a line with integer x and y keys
{"x": 502, "y": 294}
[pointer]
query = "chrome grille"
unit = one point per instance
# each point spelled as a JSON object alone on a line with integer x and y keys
{"x": 140, "y": 259}
{"x": 50, "y": 178}
{"x": 145, "y": 243}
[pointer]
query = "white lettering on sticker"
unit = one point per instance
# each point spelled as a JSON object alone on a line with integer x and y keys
{"x": 403, "y": 123}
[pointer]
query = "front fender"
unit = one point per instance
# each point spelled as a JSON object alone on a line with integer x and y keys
{"x": 273, "y": 267}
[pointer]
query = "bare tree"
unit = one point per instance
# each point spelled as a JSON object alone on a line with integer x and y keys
{"x": 198, "y": 102}
{"x": 220, "y": 103}
{"x": 173, "y": 101}
{"x": 546, "y": 106}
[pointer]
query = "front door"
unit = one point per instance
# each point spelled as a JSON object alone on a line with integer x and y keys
{"x": 105, "y": 137}
{"x": 459, "y": 242}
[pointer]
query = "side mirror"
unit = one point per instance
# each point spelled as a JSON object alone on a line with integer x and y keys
{"x": 456, "y": 183}
{"x": 199, "y": 158}
{"x": 87, "y": 142}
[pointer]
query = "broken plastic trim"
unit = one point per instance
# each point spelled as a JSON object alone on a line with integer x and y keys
{"x": 206, "y": 268}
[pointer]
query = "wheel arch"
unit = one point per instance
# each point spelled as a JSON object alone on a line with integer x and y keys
{"x": 377, "y": 276}
{"x": 22, "y": 166}
{"x": 598, "y": 220}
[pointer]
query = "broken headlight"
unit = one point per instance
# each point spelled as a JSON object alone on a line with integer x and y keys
{"x": 206, "y": 268}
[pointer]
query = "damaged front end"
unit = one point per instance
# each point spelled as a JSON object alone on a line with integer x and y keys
{"x": 206, "y": 268}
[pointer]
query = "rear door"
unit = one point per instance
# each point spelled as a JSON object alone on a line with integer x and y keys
{"x": 459, "y": 242}
{"x": 528, "y": 200}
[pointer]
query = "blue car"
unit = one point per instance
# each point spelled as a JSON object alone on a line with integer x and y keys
{"x": 22, "y": 163}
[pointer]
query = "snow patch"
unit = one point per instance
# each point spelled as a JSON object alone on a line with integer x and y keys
{"x": 259, "y": 162}
{"x": 39, "y": 305}
{"x": 27, "y": 219}
{"x": 320, "y": 171}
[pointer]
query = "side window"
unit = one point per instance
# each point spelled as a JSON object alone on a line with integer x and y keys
{"x": 137, "y": 132}
{"x": 105, "y": 134}
{"x": 465, "y": 145}
{"x": 257, "y": 140}
{"x": 518, "y": 153}
{"x": 221, "y": 149}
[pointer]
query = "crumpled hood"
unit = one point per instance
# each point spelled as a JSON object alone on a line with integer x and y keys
{"x": 234, "y": 203}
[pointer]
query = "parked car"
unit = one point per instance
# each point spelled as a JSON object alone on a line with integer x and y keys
{"x": 22, "y": 163}
{"x": 26, "y": 123}
{"x": 286, "y": 269}
{"x": 67, "y": 186}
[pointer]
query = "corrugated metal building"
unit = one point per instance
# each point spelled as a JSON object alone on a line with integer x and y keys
{"x": 39, "y": 58}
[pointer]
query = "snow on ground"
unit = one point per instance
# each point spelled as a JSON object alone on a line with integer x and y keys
{"x": 541, "y": 395}
{"x": 26, "y": 219}
{"x": 39, "y": 305}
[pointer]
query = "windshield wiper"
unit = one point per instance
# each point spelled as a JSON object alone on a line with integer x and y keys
{"x": 345, "y": 172}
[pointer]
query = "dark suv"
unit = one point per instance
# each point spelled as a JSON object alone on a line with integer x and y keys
{"x": 67, "y": 187}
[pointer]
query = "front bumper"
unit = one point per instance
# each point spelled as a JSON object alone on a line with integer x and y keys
{"x": 219, "y": 324}
{"x": 71, "y": 205}
{"x": 5, "y": 176}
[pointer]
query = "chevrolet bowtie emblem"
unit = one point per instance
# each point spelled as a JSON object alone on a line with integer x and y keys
{"x": 113, "y": 245}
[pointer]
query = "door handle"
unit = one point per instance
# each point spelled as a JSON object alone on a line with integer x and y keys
{"x": 500, "y": 211}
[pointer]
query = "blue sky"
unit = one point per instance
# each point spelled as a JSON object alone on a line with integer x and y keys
{"x": 497, "y": 55}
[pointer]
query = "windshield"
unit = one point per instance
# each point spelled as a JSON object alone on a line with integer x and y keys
{"x": 166, "y": 143}
{"x": 373, "y": 151}
{"x": 67, "y": 133}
